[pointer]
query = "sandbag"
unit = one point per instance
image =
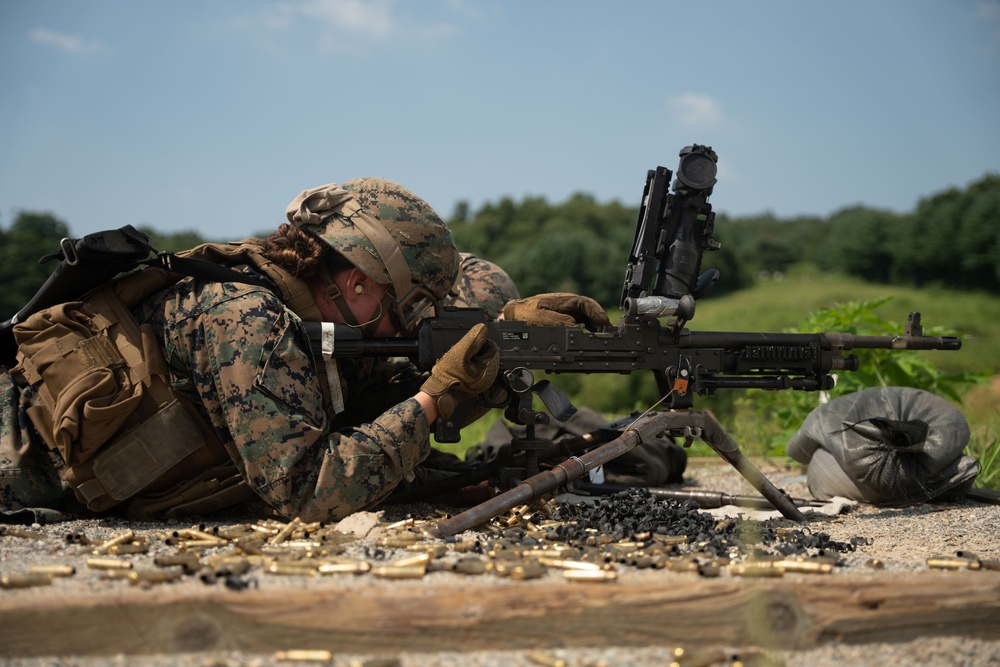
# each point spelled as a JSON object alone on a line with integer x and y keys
{"x": 887, "y": 446}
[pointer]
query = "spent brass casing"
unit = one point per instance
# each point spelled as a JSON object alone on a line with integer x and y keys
{"x": 952, "y": 563}
{"x": 127, "y": 549}
{"x": 303, "y": 655}
{"x": 115, "y": 575}
{"x": 108, "y": 564}
{"x": 197, "y": 534}
{"x": 286, "y": 531}
{"x": 399, "y": 572}
{"x": 551, "y": 552}
{"x": 806, "y": 566}
{"x": 544, "y": 659}
{"x": 470, "y": 565}
{"x": 250, "y": 545}
{"x": 432, "y": 551}
{"x": 290, "y": 569}
{"x": 756, "y": 570}
{"x": 147, "y": 576}
{"x": 120, "y": 538}
{"x": 213, "y": 543}
{"x": 353, "y": 567}
{"x": 309, "y": 545}
{"x": 464, "y": 546}
{"x": 23, "y": 533}
{"x": 418, "y": 559}
{"x": 400, "y": 541}
{"x": 27, "y": 580}
{"x": 53, "y": 570}
{"x": 875, "y": 563}
{"x": 681, "y": 565}
{"x": 641, "y": 562}
{"x": 591, "y": 575}
{"x": 189, "y": 560}
{"x": 235, "y": 533}
{"x": 564, "y": 564}
{"x": 405, "y": 523}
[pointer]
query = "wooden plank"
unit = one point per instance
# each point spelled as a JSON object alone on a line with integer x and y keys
{"x": 792, "y": 612}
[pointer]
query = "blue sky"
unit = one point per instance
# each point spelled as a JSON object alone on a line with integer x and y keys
{"x": 213, "y": 115}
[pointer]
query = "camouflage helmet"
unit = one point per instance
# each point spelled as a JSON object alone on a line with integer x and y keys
{"x": 484, "y": 285}
{"x": 417, "y": 253}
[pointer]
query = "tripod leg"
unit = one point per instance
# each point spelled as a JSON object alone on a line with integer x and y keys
{"x": 716, "y": 437}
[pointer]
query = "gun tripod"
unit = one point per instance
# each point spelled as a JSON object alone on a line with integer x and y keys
{"x": 528, "y": 483}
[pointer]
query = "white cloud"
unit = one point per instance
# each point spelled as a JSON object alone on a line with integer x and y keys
{"x": 346, "y": 25}
{"x": 695, "y": 110}
{"x": 66, "y": 43}
{"x": 370, "y": 18}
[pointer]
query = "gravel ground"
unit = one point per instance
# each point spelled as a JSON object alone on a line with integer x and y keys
{"x": 902, "y": 539}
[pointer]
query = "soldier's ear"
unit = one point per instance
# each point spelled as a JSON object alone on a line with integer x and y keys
{"x": 355, "y": 285}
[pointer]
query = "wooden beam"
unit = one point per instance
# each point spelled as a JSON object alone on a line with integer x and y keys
{"x": 792, "y": 612}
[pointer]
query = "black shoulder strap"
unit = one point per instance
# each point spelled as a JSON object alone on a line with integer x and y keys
{"x": 89, "y": 262}
{"x": 202, "y": 269}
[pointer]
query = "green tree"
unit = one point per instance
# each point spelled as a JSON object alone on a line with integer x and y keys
{"x": 31, "y": 236}
{"x": 566, "y": 262}
{"x": 978, "y": 239}
{"x": 859, "y": 243}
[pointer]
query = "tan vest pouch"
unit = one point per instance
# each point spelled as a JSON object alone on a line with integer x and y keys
{"x": 104, "y": 401}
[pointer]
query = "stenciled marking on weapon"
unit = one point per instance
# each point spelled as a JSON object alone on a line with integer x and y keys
{"x": 778, "y": 353}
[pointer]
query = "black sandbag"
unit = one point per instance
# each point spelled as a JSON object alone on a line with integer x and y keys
{"x": 889, "y": 446}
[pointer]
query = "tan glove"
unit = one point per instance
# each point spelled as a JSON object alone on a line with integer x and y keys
{"x": 556, "y": 310}
{"x": 466, "y": 370}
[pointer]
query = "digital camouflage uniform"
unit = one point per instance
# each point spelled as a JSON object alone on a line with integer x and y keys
{"x": 27, "y": 476}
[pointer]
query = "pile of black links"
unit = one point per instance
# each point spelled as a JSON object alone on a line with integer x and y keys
{"x": 635, "y": 514}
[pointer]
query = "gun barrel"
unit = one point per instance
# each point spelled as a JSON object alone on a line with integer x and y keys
{"x": 827, "y": 341}
{"x": 848, "y": 341}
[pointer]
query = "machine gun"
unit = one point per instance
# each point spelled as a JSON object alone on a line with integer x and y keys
{"x": 663, "y": 280}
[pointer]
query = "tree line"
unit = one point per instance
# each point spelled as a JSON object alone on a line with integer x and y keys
{"x": 951, "y": 239}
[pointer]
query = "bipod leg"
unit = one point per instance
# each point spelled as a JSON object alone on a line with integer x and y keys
{"x": 711, "y": 431}
{"x": 548, "y": 481}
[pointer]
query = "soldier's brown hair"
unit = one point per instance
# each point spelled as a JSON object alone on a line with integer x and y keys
{"x": 298, "y": 252}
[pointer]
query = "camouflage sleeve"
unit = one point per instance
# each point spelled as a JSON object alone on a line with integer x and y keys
{"x": 250, "y": 365}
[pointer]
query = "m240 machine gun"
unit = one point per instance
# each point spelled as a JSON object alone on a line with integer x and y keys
{"x": 663, "y": 281}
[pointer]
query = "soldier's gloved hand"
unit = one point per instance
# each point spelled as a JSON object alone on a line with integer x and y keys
{"x": 557, "y": 309}
{"x": 466, "y": 370}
